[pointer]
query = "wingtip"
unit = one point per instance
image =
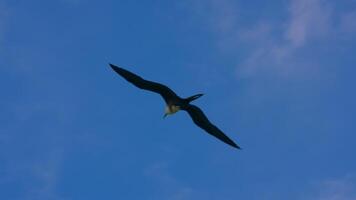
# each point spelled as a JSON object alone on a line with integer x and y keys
{"x": 237, "y": 147}
{"x": 111, "y": 65}
{"x": 233, "y": 144}
{"x": 115, "y": 68}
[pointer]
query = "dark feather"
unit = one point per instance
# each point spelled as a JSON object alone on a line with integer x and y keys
{"x": 170, "y": 97}
{"x": 139, "y": 82}
{"x": 203, "y": 122}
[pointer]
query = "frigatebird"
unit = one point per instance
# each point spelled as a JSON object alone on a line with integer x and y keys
{"x": 174, "y": 103}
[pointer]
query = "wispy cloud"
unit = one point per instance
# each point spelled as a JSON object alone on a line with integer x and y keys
{"x": 275, "y": 49}
{"x": 32, "y": 145}
{"x": 221, "y": 17}
{"x": 36, "y": 177}
{"x": 170, "y": 187}
{"x": 46, "y": 172}
{"x": 334, "y": 189}
{"x": 308, "y": 18}
{"x": 277, "y": 46}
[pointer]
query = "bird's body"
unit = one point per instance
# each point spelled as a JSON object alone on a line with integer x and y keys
{"x": 171, "y": 109}
{"x": 174, "y": 103}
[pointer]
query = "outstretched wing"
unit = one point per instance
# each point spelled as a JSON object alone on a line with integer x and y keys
{"x": 141, "y": 83}
{"x": 203, "y": 122}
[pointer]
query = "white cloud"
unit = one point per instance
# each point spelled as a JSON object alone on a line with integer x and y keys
{"x": 36, "y": 176}
{"x": 334, "y": 189}
{"x": 32, "y": 148}
{"x": 182, "y": 194}
{"x": 273, "y": 51}
{"x": 46, "y": 172}
{"x": 277, "y": 46}
{"x": 308, "y": 18}
{"x": 220, "y": 17}
{"x": 169, "y": 187}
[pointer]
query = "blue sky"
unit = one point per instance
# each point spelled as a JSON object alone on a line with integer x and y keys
{"x": 278, "y": 78}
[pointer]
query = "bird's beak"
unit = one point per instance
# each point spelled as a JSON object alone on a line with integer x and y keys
{"x": 165, "y": 115}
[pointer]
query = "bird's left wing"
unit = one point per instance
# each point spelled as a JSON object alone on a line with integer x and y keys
{"x": 203, "y": 122}
{"x": 139, "y": 82}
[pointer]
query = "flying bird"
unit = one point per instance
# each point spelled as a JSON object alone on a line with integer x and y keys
{"x": 174, "y": 103}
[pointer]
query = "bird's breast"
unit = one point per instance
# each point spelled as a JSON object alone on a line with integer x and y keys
{"x": 173, "y": 109}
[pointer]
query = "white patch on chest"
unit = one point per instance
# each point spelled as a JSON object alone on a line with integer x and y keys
{"x": 172, "y": 109}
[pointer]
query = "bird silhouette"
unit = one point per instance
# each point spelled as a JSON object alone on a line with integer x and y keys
{"x": 174, "y": 103}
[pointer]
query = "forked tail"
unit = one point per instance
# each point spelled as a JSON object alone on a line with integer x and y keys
{"x": 192, "y": 98}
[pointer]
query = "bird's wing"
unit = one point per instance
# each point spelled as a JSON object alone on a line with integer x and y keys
{"x": 139, "y": 82}
{"x": 203, "y": 122}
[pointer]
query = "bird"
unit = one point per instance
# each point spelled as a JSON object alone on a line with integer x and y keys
{"x": 174, "y": 103}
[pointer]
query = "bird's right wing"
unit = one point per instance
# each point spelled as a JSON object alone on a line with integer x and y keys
{"x": 203, "y": 122}
{"x": 141, "y": 83}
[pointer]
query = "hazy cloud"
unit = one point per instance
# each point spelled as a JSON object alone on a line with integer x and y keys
{"x": 308, "y": 18}
{"x": 46, "y": 172}
{"x": 334, "y": 189}
{"x": 169, "y": 187}
{"x": 276, "y": 46}
{"x": 221, "y": 17}
{"x": 37, "y": 177}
